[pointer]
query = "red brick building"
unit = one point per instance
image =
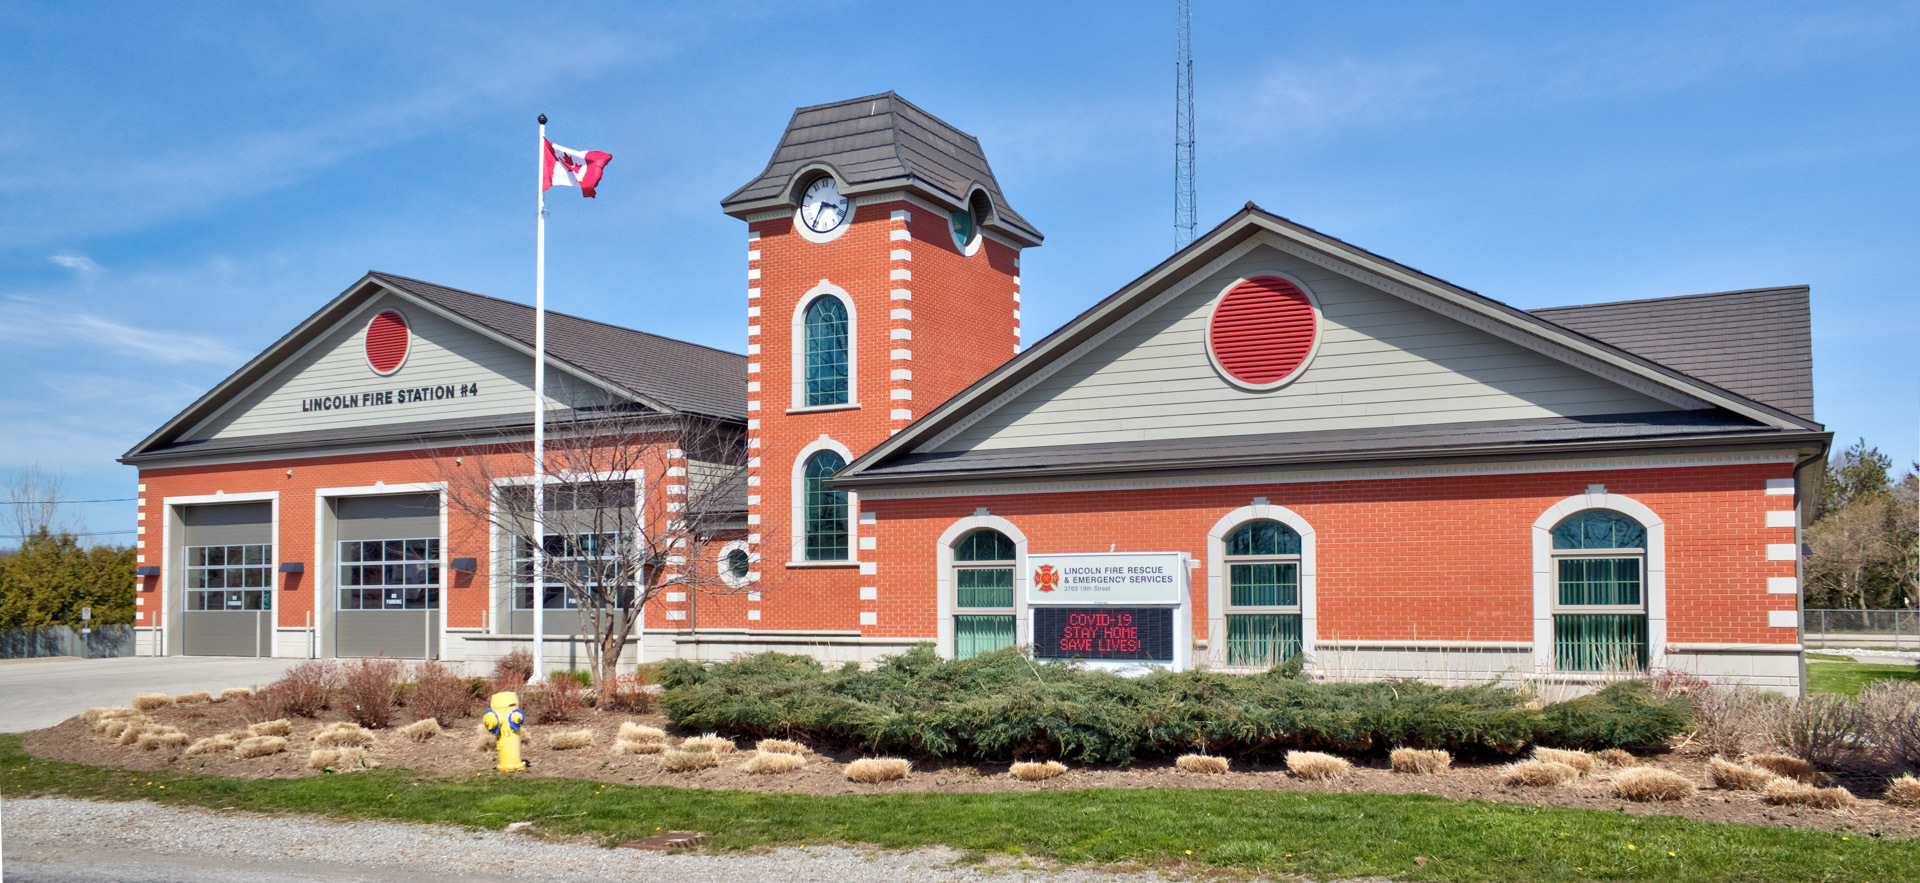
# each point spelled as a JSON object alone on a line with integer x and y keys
{"x": 1273, "y": 443}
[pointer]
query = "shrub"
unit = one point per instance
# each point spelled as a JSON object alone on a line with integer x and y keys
{"x": 193, "y": 698}
{"x": 1203, "y": 764}
{"x": 627, "y": 694}
{"x": 1732, "y": 776}
{"x": 581, "y": 676}
{"x": 708, "y": 742}
{"x": 781, "y": 746}
{"x": 1615, "y": 757}
{"x": 559, "y": 701}
{"x": 232, "y": 693}
{"x": 371, "y": 690}
{"x": 281, "y": 727}
{"x": 1820, "y": 727}
{"x": 1782, "y": 765}
{"x": 680, "y": 761}
{"x": 1539, "y": 773}
{"x": 1582, "y": 762}
{"x": 439, "y": 693}
{"x": 774, "y": 762}
{"x": 1036, "y": 772}
{"x": 343, "y": 735}
{"x": 301, "y": 692}
{"x": 872, "y": 770}
{"x": 261, "y": 746}
{"x": 1627, "y": 714}
{"x": 1787, "y": 792}
{"x": 1729, "y": 721}
{"x": 512, "y": 671}
{"x": 421, "y": 730}
{"x": 1903, "y": 791}
{"x": 1892, "y": 709}
{"x": 480, "y": 689}
{"x": 568, "y": 740}
{"x": 1645, "y": 783}
{"x": 151, "y": 701}
{"x": 632, "y": 732}
{"x": 211, "y": 745}
{"x": 1315, "y": 766}
{"x": 1420, "y": 762}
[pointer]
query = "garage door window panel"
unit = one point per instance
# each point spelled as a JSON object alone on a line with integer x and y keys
{"x": 229, "y": 577}
{"x": 597, "y": 562}
{"x": 402, "y": 574}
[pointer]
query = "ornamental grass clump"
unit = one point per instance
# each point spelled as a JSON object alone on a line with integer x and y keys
{"x": 133, "y": 733}
{"x": 1582, "y": 762}
{"x": 1723, "y": 773}
{"x": 766, "y": 762}
{"x": 343, "y": 734}
{"x": 1787, "y": 792}
{"x": 1782, "y": 765}
{"x": 1539, "y": 774}
{"x": 212, "y": 745}
{"x": 232, "y": 693}
{"x": 193, "y": 698}
{"x": 421, "y": 730}
{"x": 339, "y": 760}
{"x": 1202, "y": 764}
{"x": 162, "y": 737}
{"x": 1037, "y": 772}
{"x": 1004, "y": 706}
{"x": 710, "y": 742}
{"x": 781, "y": 746}
{"x": 1615, "y": 757}
{"x": 640, "y": 739}
{"x": 1904, "y": 791}
{"x": 1315, "y": 766}
{"x": 281, "y": 727}
{"x": 873, "y": 770}
{"x": 1420, "y": 762}
{"x": 151, "y": 701}
{"x": 261, "y": 746}
{"x": 568, "y": 740}
{"x": 680, "y": 760}
{"x": 1644, "y": 783}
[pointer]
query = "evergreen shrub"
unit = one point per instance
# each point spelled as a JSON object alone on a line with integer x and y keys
{"x": 1004, "y": 706}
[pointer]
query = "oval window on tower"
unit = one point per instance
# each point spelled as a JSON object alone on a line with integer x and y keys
{"x": 387, "y": 342}
{"x": 1262, "y": 332}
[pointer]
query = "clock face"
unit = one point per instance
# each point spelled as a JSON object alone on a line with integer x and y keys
{"x": 823, "y": 208}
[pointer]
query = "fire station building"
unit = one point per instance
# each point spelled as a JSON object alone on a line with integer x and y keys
{"x": 1272, "y": 443}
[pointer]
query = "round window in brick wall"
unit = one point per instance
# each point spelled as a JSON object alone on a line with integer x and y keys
{"x": 1262, "y": 332}
{"x": 387, "y": 342}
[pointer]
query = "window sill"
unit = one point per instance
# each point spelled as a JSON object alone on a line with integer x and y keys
{"x": 799, "y": 565}
{"x": 821, "y": 409}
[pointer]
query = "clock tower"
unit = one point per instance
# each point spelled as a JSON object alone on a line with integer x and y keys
{"x": 883, "y": 277}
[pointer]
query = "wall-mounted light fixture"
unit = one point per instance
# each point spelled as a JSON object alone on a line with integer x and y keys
{"x": 465, "y": 565}
{"x": 293, "y": 567}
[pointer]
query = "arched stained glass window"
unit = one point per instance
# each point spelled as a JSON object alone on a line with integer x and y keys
{"x": 983, "y": 563}
{"x": 1263, "y": 594}
{"x": 824, "y": 509}
{"x": 827, "y": 352}
{"x": 1600, "y": 603}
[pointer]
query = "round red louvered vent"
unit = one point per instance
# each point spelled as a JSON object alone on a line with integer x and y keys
{"x": 1262, "y": 331}
{"x": 387, "y": 342}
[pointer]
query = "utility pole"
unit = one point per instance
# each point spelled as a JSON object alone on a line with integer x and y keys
{"x": 1184, "y": 212}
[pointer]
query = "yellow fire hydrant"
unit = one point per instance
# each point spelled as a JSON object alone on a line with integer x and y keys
{"x": 503, "y": 721}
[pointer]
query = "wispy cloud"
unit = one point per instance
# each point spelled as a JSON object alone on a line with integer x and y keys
{"x": 87, "y": 267}
{"x": 29, "y": 322}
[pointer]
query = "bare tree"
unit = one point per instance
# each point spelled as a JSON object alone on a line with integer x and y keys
{"x": 33, "y": 503}
{"x": 637, "y": 503}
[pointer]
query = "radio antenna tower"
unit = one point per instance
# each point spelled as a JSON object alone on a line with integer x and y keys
{"x": 1183, "y": 199}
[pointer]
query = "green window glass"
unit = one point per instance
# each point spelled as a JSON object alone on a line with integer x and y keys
{"x": 983, "y": 563}
{"x": 1600, "y": 609}
{"x": 824, "y": 509}
{"x": 1263, "y": 594}
{"x": 962, "y": 226}
{"x": 738, "y": 564}
{"x": 826, "y": 352}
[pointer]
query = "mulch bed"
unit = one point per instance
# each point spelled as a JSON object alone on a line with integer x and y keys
{"x": 455, "y": 753}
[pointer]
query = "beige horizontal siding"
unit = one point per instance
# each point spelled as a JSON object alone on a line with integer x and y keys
{"x": 1381, "y": 362}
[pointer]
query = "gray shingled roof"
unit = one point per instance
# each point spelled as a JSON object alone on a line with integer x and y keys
{"x": 877, "y": 140}
{"x": 1503, "y": 437}
{"x": 679, "y": 375}
{"x": 1755, "y": 343}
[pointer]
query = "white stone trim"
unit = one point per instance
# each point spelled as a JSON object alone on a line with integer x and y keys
{"x": 726, "y": 573}
{"x": 1217, "y": 576}
{"x": 901, "y": 274}
{"x": 900, "y": 333}
{"x": 900, "y": 254}
{"x": 901, "y": 235}
{"x": 1544, "y": 578}
{"x": 1783, "y": 619}
{"x": 902, "y": 374}
{"x": 1782, "y": 551}
{"x": 868, "y": 617}
{"x": 901, "y": 314}
{"x": 1783, "y": 518}
{"x": 1779, "y": 487}
{"x": 943, "y": 583}
{"x": 900, "y": 394}
{"x": 901, "y": 355}
{"x": 796, "y": 494}
{"x": 799, "y": 346}
{"x": 1783, "y": 585}
{"x": 869, "y": 593}
{"x": 900, "y": 414}
{"x": 900, "y": 294}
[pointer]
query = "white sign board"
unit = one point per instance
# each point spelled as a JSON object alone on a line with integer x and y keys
{"x": 1107, "y": 578}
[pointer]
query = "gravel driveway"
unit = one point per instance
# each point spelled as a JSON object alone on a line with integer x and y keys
{"x": 61, "y": 839}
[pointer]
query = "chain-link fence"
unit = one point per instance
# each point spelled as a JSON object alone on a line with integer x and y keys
{"x": 1880, "y": 629}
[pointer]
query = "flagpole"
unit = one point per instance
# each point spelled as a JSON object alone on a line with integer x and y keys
{"x": 540, "y": 415}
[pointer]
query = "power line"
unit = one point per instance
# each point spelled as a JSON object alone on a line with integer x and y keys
{"x": 65, "y": 502}
{"x": 97, "y": 533}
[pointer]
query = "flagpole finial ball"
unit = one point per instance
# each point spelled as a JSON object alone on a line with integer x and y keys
{"x": 543, "y": 119}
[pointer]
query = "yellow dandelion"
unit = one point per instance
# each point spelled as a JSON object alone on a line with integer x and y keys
{"x": 1631, "y": 846}
{"x": 1673, "y": 854}
{"x": 1189, "y": 852}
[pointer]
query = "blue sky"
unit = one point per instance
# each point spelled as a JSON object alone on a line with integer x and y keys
{"x": 184, "y": 182}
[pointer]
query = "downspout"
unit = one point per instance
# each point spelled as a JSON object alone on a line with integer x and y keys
{"x": 1804, "y": 509}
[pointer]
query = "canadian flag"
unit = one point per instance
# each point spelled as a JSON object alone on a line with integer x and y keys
{"x": 572, "y": 168}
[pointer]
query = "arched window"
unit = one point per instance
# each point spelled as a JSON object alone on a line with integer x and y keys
{"x": 983, "y": 563}
{"x": 1263, "y": 594}
{"x": 826, "y": 347}
{"x": 824, "y": 509}
{"x": 1600, "y": 598}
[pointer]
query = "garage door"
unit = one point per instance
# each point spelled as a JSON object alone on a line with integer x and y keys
{"x": 387, "y": 576}
{"x": 227, "y": 594}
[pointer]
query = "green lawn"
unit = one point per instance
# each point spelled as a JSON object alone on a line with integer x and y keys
{"x": 1318, "y": 835}
{"x": 1848, "y": 676}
